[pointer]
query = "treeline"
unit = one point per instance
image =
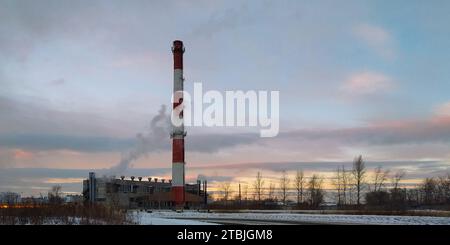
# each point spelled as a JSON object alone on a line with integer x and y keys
{"x": 354, "y": 188}
{"x": 433, "y": 192}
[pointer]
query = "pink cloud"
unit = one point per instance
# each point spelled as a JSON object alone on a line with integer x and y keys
{"x": 22, "y": 154}
{"x": 443, "y": 110}
{"x": 367, "y": 82}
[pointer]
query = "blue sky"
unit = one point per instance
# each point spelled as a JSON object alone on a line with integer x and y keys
{"x": 79, "y": 79}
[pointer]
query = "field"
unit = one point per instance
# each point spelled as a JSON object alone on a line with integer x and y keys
{"x": 198, "y": 218}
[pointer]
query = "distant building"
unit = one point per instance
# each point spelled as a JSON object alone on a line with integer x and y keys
{"x": 139, "y": 193}
{"x": 328, "y": 205}
{"x": 35, "y": 200}
{"x": 73, "y": 198}
{"x": 10, "y": 198}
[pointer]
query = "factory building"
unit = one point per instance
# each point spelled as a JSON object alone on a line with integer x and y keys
{"x": 10, "y": 198}
{"x": 150, "y": 193}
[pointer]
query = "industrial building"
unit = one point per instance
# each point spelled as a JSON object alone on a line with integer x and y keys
{"x": 139, "y": 193}
{"x": 10, "y": 198}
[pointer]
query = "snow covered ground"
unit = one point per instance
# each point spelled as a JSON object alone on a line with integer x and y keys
{"x": 194, "y": 218}
{"x": 145, "y": 218}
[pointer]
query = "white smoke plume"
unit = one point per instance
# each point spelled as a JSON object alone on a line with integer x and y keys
{"x": 152, "y": 140}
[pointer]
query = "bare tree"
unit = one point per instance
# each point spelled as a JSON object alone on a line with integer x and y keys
{"x": 341, "y": 181}
{"x": 245, "y": 192}
{"x": 55, "y": 195}
{"x": 299, "y": 185}
{"x": 316, "y": 192}
{"x": 284, "y": 186}
{"x": 225, "y": 189}
{"x": 258, "y": 186}
{"x": 359, "y": 173}
{"x": 429, "y": 188}
{"x": 443, "y": 189}
{"x": 413, "y": 196}
{"x": 271, "y": 193}
{"x": 395, "y": 180}
{"x": 337, "y": 182}
{"x": 379, "y": 178}
{"x": 344, "y": 184}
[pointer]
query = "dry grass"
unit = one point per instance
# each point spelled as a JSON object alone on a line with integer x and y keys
{"x": 63, "y": 214}
{"x": 435, "y": 213}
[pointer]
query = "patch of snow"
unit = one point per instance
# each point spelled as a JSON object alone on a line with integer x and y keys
{"x": 144, "y": 218}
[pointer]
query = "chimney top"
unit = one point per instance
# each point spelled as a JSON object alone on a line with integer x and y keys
{"x": 178, "y": 46}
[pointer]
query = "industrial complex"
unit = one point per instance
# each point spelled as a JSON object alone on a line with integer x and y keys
{"x": 139, "y": 193}
{"x": 151, "y": 193}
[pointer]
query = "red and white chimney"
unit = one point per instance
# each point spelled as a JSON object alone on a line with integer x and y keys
{"x": 178, "y": 132}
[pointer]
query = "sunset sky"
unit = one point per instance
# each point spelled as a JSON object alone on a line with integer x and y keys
{"x": 80, "y": 79}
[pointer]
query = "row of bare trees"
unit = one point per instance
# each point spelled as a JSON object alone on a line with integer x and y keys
{"x": 431, "y": 192}
{"x": 435, "y": 191}
{"x": 349, "y": 188}
{"x": 354, "y": 184}
{"x": 284, "y": 187}
{"x": 308, "y": 191}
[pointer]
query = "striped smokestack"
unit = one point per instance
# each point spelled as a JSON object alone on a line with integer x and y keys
{"x": 178, "y": 133}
